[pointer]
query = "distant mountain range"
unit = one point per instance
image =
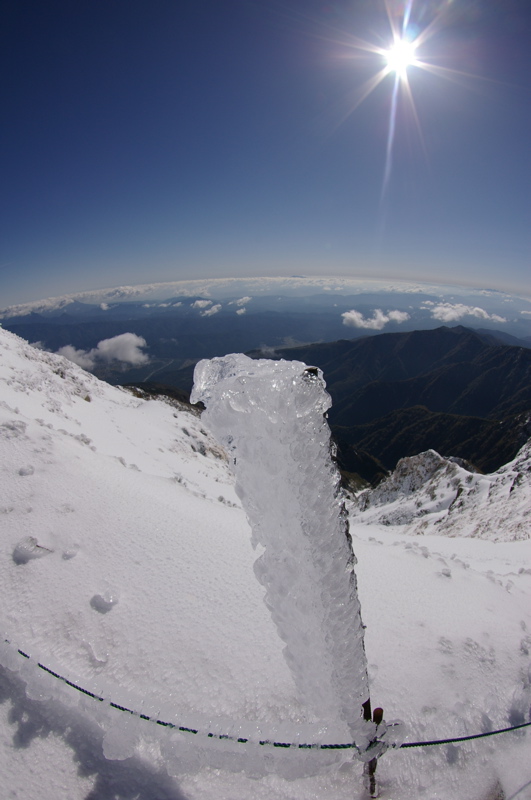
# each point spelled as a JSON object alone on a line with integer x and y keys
{"x": 461, "y": 392}
{"x": 180, "y": 333}
{"x": 183, "y": 328}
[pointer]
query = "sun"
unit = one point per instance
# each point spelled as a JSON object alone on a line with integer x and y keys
{"x": 400, "y": 56}
{"x": 407, "y": 37}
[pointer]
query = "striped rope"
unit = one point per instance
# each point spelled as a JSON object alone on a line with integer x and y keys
{"x": 243, "y": 740}
{"x": 466, "y": 738}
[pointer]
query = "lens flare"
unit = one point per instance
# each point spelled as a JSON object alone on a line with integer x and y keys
{"x": 403, "y": 55}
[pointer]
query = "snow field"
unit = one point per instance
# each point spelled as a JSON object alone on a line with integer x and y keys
{"x": 181, "y": 629}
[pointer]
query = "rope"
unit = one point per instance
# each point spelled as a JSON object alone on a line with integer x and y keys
{"x": 521, "y": 789}
{"x": 465, "y": 738}
{"x": 243, "y": 740}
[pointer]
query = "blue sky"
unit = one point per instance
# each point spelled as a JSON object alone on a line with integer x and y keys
{"x": 175, "y": 139}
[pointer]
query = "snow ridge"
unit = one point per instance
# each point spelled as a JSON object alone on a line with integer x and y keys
{"x": 429, "y": 493}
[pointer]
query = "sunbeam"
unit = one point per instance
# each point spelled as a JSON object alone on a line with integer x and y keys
{"x": 399, "y": 57}
{"x": 390, "y": 135}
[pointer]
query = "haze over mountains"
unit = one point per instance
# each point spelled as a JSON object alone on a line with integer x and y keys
{"x": 401, "y": 380}
{"x": 188, "y": 320}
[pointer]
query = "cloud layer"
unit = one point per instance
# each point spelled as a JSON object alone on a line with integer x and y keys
{"x": 126, "y": 348}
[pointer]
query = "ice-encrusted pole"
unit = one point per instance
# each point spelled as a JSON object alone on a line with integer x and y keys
{"x": 270, "y": 416}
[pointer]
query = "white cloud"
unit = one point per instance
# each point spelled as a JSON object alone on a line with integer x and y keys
{"x": 398, "y": 316}
{"x": 241, "y": 302}
{"x": 201, "y": 304}
{"x": 451, "y": 312}
{"x": 211, "y": 311}
{"x": 126, "y": 348}
{"x": 82, "y": 358}
{"x": 526, "y": 313}
{"x": 241, "y": 311}
{"x": 354, "y": 319}
{"x": 267, "y": 351}
{"x": 104, "y": 306}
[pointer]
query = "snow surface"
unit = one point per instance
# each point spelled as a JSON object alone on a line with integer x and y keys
{"x": 126, "y": 566}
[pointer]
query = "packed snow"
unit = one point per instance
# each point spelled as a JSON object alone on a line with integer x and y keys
{"x": 127, "y": 568}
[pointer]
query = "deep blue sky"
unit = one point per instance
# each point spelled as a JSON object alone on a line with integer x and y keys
{"x": 166, "y": 139}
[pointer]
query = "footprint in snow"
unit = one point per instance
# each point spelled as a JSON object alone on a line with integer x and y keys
{"x": 28, "y": 549}
{"x": 27, "y": 470}
{"x": 103, "y": 603}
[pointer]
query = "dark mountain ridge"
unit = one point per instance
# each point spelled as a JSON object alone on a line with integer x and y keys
{"x": 484, "y": 443}
{"x": 446, "y": 369}
{"x": 461, "y": 392}
{"x": 454, "y": 390}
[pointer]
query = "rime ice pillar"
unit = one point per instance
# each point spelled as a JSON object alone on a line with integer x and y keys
{"x": 269, "y": 415}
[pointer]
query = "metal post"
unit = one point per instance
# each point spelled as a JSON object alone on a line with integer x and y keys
{"x": 369, "y": 769}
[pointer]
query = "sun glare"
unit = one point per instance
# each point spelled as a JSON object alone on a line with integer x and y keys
{"x": 406, "y": 38}
{"x": 400, "y": 56}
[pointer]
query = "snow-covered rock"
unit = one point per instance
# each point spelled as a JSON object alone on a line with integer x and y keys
{"x": 431, "y": 494}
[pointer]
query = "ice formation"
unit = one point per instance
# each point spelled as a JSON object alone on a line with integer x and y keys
{"x": 270, "y": 416}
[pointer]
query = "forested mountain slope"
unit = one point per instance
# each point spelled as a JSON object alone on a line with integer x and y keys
{"x": 451, "y": 389}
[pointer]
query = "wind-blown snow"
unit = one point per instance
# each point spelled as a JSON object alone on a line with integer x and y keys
{"x": 126, "y": 566}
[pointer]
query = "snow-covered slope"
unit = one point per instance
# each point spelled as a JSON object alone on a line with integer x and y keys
{"x": 126, "y": 567}
{"x": 429, "y": 493}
